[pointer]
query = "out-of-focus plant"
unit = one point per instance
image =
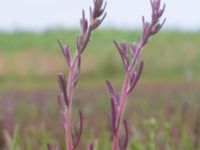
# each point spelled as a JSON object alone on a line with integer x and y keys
{"x": 65, "y": 98}
{"x": 6, "y": 142}
{"x": 129, "y": 55}
{"x": 197, "y": 130}
{"x": 15, "y": 140}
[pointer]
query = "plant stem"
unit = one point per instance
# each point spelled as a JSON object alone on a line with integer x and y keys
{"x": 70, "y": 95}
{"x": 131, "y": 73}
{"x": 73, "y": 132}
{"x": 68, "y": 132}
{"x": 120, "y": 111}
{"x": 115, "y": 140}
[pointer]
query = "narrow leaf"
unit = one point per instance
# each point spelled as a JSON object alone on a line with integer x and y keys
{"x": 110, "y": 88}
{"x": 135, "y": 77}
{"x": 66, "y": 53}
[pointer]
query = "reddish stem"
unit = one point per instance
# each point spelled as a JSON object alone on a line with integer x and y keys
{"x": 115, "y": 140}
{"x": 68, "y": 132}
{"x": 120, "y": 111}
{"x": 69, "y": 108}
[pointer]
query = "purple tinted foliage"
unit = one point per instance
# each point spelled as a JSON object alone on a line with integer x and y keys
{"x": 91, "y": 147}
{"x": 123, "y": 140}
{"x": 135, "y": 77}
{"x": 50, "y": 148}
{"x": 66, "y": 53}
{"x": 62, "y": 83}
{"x": 123, "y": 47}
{"x": 129, "y": 53}
{"x": 196, "y": 130}
{"x": 113, "y": 114}
{"x": 65, "y": 98}
{"x": 111, "y": 90}
{"x": 77, "y": 131}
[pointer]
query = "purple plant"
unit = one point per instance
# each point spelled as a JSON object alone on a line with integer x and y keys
{"x": 129, "y": 55}
{"x": 65, "y": 98}
{"x": 196, "y": 130}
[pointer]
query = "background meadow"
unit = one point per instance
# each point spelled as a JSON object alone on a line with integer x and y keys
{"x": 163, "y": 112}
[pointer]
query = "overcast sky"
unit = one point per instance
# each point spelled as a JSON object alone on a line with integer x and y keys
{"x": 43, "y": 14}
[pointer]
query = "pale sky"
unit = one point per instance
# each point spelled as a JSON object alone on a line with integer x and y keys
{"x": 125, "y": 14}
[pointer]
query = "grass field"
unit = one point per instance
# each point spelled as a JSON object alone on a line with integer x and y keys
{"x": 163, "y": 111}
{"x": 169, "y": 55}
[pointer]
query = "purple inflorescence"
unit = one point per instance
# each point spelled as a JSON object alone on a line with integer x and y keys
{"x": 65, "y": 98}
{"x": 129, "y": 53}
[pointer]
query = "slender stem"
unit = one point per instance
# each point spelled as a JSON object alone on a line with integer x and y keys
{"x": 97, "y": 15}
{"x": 68, "y": 111}
{"x": 123, "y": 96}
{"x": 68, "y": 132}
{"x": 131, "y": 76}
{"x": 120, "y": 111}
{"x": 69, "y": 108}
{"x": 115, "y": 140}
{"x": 70, "y": 79}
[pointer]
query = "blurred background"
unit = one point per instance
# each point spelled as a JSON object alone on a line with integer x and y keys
{"x": 163, "y": 111}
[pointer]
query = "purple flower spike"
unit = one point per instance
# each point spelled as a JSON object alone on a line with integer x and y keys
{"x": 95, "y": 20}
{"x": 157, "y": 12}
{"x": 72, "y": 132}
{"x": 96, "y": 12}
{"x": 131, "y": 74}
{"x": 155, "y": 6}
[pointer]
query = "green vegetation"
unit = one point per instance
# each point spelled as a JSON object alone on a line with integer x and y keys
{"x": 175, "y": 55}
{"x": 163, "y": 108}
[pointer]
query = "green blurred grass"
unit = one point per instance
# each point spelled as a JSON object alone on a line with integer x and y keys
{"x": 28, "y": 56}
{"x": 33, "y": 59}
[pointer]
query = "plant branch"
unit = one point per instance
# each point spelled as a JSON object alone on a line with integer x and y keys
{"x": 97, "y": 15}
{"x": 132, "y": 74}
